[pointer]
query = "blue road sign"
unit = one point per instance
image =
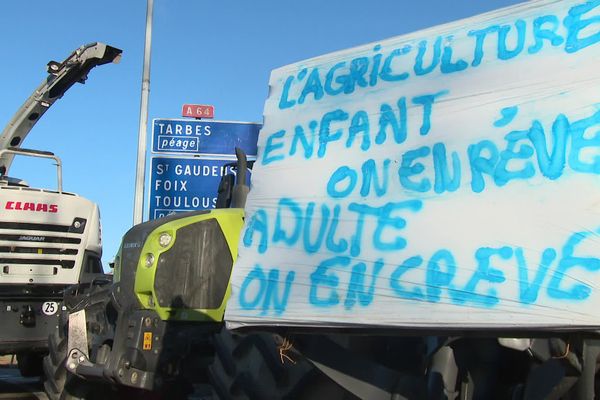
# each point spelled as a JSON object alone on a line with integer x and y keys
{"x": 203, "y": 137}
{"x": 185, "y": 184}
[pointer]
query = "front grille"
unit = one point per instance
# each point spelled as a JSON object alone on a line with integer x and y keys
{"x": 25, "y": 226}
{"x": 40, "y": 238}
{"x": 78, "y": 226}
{"x": 63, "y": 263}
{"x": 37, "y": 250}
{"x": 47, "y": 247}
{"x": 194, "y": 272}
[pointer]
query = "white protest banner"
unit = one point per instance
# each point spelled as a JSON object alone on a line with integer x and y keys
{"x": 445, "y": 178}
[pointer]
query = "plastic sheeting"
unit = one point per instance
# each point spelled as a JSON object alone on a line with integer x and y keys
{"x": 445, "y": 178}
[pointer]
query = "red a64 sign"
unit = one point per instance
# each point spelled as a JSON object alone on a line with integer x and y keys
{"x": 198, "y": 111}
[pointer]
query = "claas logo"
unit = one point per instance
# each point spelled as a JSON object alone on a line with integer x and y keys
{"x": 30, "y": 206}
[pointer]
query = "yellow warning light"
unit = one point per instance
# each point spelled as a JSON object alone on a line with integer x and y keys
{"x": 147, "y": 345}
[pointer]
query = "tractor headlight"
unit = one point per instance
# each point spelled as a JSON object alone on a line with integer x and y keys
{"x": 165, "y": 239}
{"x": 149, "y": 260}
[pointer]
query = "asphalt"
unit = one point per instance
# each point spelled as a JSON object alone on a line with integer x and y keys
{"x": 14, "y": 386}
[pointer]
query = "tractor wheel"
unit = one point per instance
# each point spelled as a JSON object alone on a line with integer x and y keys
{"x": 60, "y": 384}
{"x": 252, "y": 367}
{"x": 30, "y": 364}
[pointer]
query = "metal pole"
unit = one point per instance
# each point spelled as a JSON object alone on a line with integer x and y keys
{"x": 140, "y": 176}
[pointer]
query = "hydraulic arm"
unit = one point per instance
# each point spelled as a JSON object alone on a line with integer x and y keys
{"x": 62, "y": 75}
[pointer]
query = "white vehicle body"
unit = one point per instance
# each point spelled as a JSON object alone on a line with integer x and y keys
{"x": 49, "y": 239}
{"x": 44, "y": 236}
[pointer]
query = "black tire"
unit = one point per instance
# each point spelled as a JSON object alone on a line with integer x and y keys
{"x": 60, "y": 384}
{"x": 249, "y": 367}
{"x": 30, "y": 364}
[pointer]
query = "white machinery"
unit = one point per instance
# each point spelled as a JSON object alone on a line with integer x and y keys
{"x": 49, "y": 238}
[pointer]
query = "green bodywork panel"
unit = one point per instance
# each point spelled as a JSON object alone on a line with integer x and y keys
{"x": 230, "y": 222}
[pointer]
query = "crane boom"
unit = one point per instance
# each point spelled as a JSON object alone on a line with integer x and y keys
{"x": 62, "y": 76}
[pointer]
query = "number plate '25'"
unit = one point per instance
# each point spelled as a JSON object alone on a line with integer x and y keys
{"x": 50, "y": 307}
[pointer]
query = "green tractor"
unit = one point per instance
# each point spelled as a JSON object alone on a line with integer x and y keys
{"x": 155, "y": 328}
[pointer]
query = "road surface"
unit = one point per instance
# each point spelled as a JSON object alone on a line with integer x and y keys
{"x": 14, "y": 386}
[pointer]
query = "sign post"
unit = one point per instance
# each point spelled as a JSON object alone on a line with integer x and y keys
{"x": 203, "y": 138}
{"x": 192, "y": 156}
{"x": 198, "y": 111}
{"x": 140, "y": 175}
{"x": 185, "y": 184}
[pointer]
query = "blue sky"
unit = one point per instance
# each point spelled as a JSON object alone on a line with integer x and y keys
{"x": 208, "y": 52}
